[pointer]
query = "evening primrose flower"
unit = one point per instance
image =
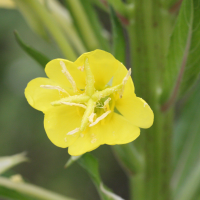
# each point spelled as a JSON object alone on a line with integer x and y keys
{"x": 79, "y": 100}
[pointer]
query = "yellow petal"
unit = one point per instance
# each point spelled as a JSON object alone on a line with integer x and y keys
{"x": 88, "y": 141}
{"x": 135, "y": 109}
{"x": 118, "y": 130}
{"x": 41, "y": 98}
{"x": 114, "y": 130}
{"x": 53, "y": 70}
{"x": 103, "y": 66}
{"x": 61, "y": 120}
{"x": 120, "y": 75}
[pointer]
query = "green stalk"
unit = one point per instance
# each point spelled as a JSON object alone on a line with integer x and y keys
{"x": 137, "y": 182}
{"x": 83, "y": 24}
{"x": 148, "y": 47}
{"x": 51, "y": 25}
{"x": 130, "y": 159}
{"x": 96, "y": 25}
{"x": 119, "y": 6}
{"x": 32, "y": 190}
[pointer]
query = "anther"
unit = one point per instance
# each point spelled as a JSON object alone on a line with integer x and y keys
{"x": 73, "y": 104}
{"x": 68, "y": 75}
{"x": 54, "y": 88}
{"x": 100, "y": 118}
{"x": 124, "y": 82}
{"x": 74, "y": 131}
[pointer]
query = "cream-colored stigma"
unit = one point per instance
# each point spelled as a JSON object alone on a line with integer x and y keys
{"x": 124, "y": 82}
{"x": 73, "y": 131}
{"x": 68, "y": 75}
{"x": 106, "y": 104}
{"x": 91, "y": 117}
{"x": 54, "y": 88}
{"x": 103, "y": 116}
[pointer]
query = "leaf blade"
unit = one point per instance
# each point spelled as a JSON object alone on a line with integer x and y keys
{"x": 178, "y": 53}
{"x": 36, "y": 55}
{"x": 119, "y": 46}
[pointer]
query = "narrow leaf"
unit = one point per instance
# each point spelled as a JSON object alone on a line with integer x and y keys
{"x": 183, "y": 68}
{"x": 186, "y": 139}
{"x": 192, "y": 68}
{"x": 8, "y": 162}
{"x": 191, "y": 184}
{"x": 32, "y": 19}
{"x": 36, "y": 55}
{"x": 178, "y": 53}
{"x": 90, "y": 164}
{"x": 14, "y": 195}
{"x": 119, "y": 46}
{"x": 31, "y": 190}
{"x": 96, "y": 25}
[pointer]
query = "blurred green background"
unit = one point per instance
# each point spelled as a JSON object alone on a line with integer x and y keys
{"x": 21, "y": 127}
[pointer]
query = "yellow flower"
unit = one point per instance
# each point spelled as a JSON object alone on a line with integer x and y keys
{"x": 79, "y": 100}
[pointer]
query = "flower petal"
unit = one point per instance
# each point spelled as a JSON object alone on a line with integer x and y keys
{"x": 135, "y": 109}
{"x": 61, "y": 120}
{"x": 88, "y": 141}
{"x": 120, "y": 75}
{"x": 41, "y": 98}
{"x": 102, "y": 64}
{"x": 53, "y": 70}
{"x": 115, "y": 129}
{"x": 118, "y": 130}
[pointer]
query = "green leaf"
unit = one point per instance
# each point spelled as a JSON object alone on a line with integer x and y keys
{"x": 30, "y": 190}
{"x": 192, "y": 68}
{"x": 119, "y": 46}
{"x": 90, "y": 164}
{"x": 36, "y": 55}
{"x": 8, "y": 162}
{"x": 186, "y": 148}
{"x": 14, "y": 195}
{"x": 32, "y": 19}
{"x": 96, "y": 25}
{"x": 182, "y": 66}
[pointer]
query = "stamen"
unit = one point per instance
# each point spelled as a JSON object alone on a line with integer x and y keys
{"x": 89, "y": 110}
{"x": 72, "y": 99}
{"x": 68, "y": 75}
{"x": 91, "y": 117}
{"x": 106, "y": 104}
{"x": 54, "y": 88}
{"x": 74, "y": 131}
{"x": 73, "y": 104}
{"x": 100, "y": 118}
{"x": 124, "y": 82}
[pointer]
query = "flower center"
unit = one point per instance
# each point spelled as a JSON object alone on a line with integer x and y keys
{"x": 97, "y": 104}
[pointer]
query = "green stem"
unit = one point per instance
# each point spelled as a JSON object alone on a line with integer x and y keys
{"x": 119, "y": 6}
{"x": 129, "y": 157}
{"x": 83, "y": 24}
{"x": 148, "y": 47}
{"x": 31, "y": 190}
{"x": 55, "y": 30}
{"x": 137, "y": 182}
